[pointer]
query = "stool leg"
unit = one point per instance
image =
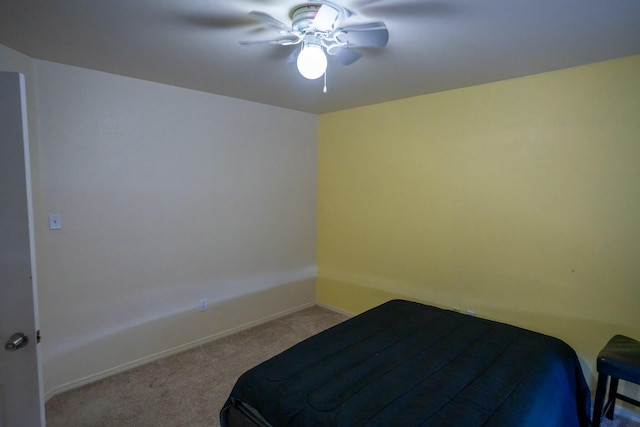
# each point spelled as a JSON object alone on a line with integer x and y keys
{"x": 599, "y": 400}
{"x": 613, "y": 392}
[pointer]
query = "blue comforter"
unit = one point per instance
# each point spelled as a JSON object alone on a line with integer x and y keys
{"x": 409, "y": 364}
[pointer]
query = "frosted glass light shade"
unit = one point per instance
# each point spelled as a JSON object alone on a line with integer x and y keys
{"x": 312, "y": 62}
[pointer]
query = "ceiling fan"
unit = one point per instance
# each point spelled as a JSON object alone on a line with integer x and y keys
{"x": 322, "y": 28}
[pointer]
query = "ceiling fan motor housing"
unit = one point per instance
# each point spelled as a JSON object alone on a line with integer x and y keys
{"x": 302, "y": 16}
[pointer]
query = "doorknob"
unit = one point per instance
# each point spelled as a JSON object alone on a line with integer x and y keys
{"x": 17, "y": 340}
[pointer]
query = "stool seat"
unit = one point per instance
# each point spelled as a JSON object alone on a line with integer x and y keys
{"x": 620, "y": 358}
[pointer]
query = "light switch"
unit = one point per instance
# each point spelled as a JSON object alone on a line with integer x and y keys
{"x": 55, "y": 221}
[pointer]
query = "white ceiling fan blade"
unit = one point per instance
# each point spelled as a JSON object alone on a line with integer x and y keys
{"x": 407, "y": 8}
{"x": 283, "y": 41}
{"x": 345, "y": 56}
{"x": 270, "y": 20}
{"x": 377, "y": 25}
{"x": 325, "y": 18}
{"x": 374, "y": 34}
{"x": 343, "y": 11}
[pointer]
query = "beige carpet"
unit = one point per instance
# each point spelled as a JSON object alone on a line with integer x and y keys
{"x": 188, "y": 389}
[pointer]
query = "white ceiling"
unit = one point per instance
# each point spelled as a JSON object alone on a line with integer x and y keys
{"x": 433, "y": 45}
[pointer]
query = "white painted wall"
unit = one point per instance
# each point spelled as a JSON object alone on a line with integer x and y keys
{"x": 167, "y": 196}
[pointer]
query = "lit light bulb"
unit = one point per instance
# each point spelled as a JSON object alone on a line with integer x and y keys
{"x": 312, "y": 62}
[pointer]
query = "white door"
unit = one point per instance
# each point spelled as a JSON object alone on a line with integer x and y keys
{"x": 21, "y": 402}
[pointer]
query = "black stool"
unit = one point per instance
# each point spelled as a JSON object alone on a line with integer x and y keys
{"x": 620, "y": 360}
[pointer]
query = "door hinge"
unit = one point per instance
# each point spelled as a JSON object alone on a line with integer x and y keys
{"x": 38, "y": 336}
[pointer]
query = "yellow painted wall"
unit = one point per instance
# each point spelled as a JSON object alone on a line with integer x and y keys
{"x": 519, "y": 200}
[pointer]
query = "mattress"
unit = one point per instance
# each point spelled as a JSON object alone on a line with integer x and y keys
{"x": 410, "y": 364}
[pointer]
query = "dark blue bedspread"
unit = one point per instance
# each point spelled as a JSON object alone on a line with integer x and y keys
{"x": 409, "y": 364}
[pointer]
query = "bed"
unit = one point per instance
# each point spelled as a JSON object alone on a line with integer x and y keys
{"x": 409, "y": 364}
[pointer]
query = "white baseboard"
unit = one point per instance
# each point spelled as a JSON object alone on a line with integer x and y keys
{"x": 178, "y": 349}
{"x": 334, "y": 309}
{"x": 228, "y": 318}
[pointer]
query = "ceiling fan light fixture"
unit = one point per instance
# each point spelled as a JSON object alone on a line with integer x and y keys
{"x": 312, "y": 61}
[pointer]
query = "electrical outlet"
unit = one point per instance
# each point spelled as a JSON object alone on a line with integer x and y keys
{"x": 203, "y": 304}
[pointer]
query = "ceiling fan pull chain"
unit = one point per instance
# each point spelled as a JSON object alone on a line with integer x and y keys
{"x": 324, "y": 90}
